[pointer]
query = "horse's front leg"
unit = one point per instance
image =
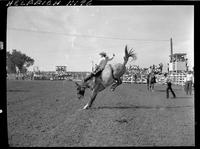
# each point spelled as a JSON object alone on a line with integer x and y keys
{"x": 92, "y": 98}
{"x": 95, "y": 91}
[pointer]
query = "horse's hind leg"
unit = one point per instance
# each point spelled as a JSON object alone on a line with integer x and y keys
{"x": 113, "y": 85}
{"x": 119, "y": 81}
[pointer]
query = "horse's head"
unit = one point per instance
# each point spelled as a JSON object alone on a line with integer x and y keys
{"x": 80, "y": 88}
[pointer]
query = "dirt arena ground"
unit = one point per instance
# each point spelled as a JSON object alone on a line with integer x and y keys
{"x": 48, "y": 114}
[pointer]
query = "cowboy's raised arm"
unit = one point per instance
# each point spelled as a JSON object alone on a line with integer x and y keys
{"x": 109, "y": 59}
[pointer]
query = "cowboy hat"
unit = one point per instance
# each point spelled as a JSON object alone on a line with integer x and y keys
{"x": 102, "y": 53}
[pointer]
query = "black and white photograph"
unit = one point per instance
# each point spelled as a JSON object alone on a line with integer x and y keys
{"x": 100, "y": 76}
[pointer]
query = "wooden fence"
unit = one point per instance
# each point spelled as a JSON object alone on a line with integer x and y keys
{"x": 131, "y": 79}
{"x": 178, "y": 78}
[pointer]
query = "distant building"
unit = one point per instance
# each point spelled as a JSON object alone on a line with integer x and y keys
{"x": 178, "y": 63}
{"x": 61, "y": 69}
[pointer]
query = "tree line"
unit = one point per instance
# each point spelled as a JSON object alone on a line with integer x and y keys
{"x": 17, "y": 60}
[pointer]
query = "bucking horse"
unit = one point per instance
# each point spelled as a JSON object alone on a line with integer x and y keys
{"x": 110, "y": 76}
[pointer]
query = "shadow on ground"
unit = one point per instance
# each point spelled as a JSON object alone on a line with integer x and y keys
{"x": 137, "y": 107}
{"x": 184, "y": 97}
{"x": 18, "y": 91}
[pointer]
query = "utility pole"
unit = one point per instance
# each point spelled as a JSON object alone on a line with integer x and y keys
{"x": 171, "y": 46}
{"x": 171, "y": 60}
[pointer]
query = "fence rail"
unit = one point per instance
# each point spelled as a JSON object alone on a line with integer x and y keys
{"x": 132, "y": 79}
{"x": 177, "y": 79}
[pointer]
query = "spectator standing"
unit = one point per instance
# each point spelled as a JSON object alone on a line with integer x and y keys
{"x": 189, "y": 79}
{"x": 135, "y": 76}
{"x": 169, "y": 86}
{"x": 153, "y": 68}
{"x": 149, "y": 70}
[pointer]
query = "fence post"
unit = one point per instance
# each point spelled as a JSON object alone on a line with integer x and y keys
{"x": 131, "y": 78}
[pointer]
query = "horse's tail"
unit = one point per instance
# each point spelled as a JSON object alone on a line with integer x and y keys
{"x": 129, "y": 54}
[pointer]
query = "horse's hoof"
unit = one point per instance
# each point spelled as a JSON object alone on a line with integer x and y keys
{"x": 112, "y": 89}
{"x": 85, "y": 107}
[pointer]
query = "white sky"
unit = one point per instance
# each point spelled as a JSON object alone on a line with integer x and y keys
{"x": 47, "y": 34}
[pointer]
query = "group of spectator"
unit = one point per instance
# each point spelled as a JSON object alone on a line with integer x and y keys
{"x": 138, "y": 72}
{"x": 188, "y": 83}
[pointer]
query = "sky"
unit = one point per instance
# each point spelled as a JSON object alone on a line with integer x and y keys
{"x": 73, "y": 36}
